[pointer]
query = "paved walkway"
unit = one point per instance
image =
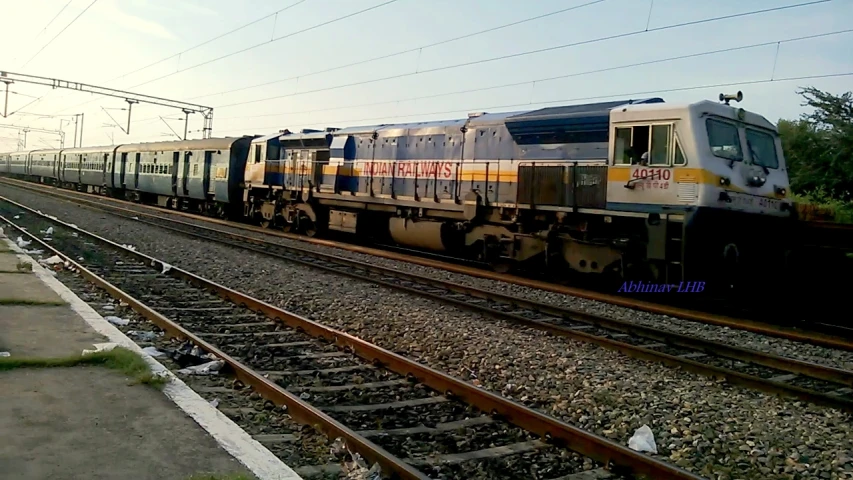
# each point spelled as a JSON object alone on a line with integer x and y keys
{"x": 88, "y": 422}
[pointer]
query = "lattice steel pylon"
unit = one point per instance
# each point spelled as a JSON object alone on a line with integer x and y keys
{"x": 188, "y": 108}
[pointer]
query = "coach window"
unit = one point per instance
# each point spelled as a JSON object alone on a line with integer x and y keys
{"x": 258, "y": 153}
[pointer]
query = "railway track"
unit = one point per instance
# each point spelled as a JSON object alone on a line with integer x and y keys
{"x": 839, "y": 338}
{"x": 749, "y": 368}
{"x": 412, "y": 421}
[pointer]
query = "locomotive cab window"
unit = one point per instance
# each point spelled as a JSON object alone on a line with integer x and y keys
{"x": 679, "y": 159}
{"x": 724, "y": 139}
{"x": 643, "y": 145}
{"x": 762, "y": 148}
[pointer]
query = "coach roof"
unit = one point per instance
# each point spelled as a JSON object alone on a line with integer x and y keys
{"x": 181, "y": 145}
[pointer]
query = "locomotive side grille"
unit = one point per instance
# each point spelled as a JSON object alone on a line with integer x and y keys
{"x": 590, "y": 184}
{"x": 688, "y": 192}
{"x": 563, "y": 186}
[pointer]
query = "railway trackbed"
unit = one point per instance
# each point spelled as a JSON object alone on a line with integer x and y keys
{"x": 296, "y": 382}
{"x": 754, "y": 369}
{"x": 838, "y": 339}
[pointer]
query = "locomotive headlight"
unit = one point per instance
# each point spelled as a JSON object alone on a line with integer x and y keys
{"x": 781, "y": 190}
{"x": 725, "y": 181}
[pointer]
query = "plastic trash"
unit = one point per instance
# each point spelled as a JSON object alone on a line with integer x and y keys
{"x": 23, "y": 243}
{"x": 101, "y": 347}
{"x": 209, "y": 368}
{"x": 49, "y": 231}
{"x": 54, "y": 260}
{"x": 153, "y": 351}
{"x": 166, "y": 268}
{"x": 5, "y": 354}
{"x": 214, "y": 403}
{"x": 142, "y": 336}
{"x": 16, "y": 217}
{"x": 353, "y": 464}
{"x": 643, "y": 440}
{"x": 188, "y": 355}
{"x": 117, "y": 321}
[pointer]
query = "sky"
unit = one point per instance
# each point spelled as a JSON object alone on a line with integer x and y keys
{"x": 293, "y": 69}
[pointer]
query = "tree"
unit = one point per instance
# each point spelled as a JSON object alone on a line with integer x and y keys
{"x": 819, "y": 145}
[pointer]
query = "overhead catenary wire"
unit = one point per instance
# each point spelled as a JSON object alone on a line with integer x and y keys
{"x": 222, "y": 35}
{"x": 235, "y": 30}
{"x": 276, "y": 39}
{"x": 53, "y": 19}
{"x": 569, "y": 100}
{"x": 532, "y": 52}
{"x": 410, "y": 50}
{"x": 60, "y": 33}
{"x": 560, "y": 77}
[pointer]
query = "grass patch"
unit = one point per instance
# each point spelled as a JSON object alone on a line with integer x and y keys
{"x": 208, "y": 476}
{"x": 119, "y": 359}
{"x": 33, "y": 303}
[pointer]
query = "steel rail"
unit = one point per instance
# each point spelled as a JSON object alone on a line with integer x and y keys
{"x": 821, "y": 372}
{"x": 554, "y": 431}
{"x": 299, "y": 410}
{"x": 813, "y": 338}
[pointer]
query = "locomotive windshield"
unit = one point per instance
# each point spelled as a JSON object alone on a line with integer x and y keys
{"x": 724, "y": 139}
{"x": 762, "y": 146}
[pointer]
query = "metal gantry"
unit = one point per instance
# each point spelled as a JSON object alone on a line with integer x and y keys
{"x": 22, "y": 134}
{"x": 9, "y": 78}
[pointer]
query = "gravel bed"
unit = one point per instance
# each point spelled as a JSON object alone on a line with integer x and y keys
{"x": 710, "y": 428}
{"x": 741, "y": 338}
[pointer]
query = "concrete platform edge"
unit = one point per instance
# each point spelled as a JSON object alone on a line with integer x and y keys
{"x": 248, "y": 451}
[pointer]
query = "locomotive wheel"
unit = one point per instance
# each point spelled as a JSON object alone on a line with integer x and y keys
{"x": 307, "y": 227}
{"x": 502, "y": 267}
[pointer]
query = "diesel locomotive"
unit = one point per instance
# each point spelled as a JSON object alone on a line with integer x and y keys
{"x": 638, "y": 189}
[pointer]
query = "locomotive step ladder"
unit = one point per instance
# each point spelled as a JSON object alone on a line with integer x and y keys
{"x": 674, "y": 252}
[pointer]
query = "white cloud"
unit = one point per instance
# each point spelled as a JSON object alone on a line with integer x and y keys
{"x": 124, "y": 19}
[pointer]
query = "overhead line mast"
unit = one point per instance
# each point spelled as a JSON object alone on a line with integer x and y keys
{"x": 129, "y": 97}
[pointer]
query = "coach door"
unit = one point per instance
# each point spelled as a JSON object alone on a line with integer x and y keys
{"x": 104, "y": 169}
{"x": 122, "y": 169}
{"x": 185, "y": 174}
{"x": 208, "y": 159}
{"x": 136, "y": 167}
{"x": 176, "y": 158}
